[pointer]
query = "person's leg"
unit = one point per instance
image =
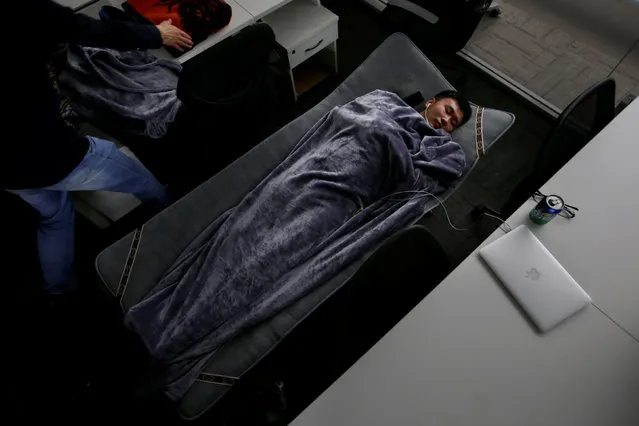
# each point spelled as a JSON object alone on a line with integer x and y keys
{"x": 106, "y": 168}
{"x": 55, "y": 236}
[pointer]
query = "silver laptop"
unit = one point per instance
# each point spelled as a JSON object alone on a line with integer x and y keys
{"x": 538, "y": 282}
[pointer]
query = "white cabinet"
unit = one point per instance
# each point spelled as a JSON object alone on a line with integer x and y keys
{"x": 305, "y": 28}
{"x": 312, "y": 45}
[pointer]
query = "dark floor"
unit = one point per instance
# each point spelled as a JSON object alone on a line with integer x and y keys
{"x": 79, "y": 366}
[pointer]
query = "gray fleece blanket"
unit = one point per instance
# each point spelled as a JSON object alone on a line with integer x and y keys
{"x": 133, "y": 91}
{"x": 327, "y": 204}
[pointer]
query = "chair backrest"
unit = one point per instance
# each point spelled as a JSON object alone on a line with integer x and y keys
{"x": 455, "y": 22}
{"x": 586, "y": 116}
{"x": 582, "y": 119}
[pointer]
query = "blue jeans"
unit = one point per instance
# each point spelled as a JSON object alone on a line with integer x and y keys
{"x": 104, "y": 167}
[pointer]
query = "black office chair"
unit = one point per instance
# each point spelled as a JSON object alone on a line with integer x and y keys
{"x": 586, "y": 116}
{"x": 436, "y": 27}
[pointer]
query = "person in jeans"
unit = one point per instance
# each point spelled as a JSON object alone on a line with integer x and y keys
{"x": 47, "y": 159}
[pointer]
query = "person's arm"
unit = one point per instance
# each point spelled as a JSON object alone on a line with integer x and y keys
{"x": 62, "y": 25}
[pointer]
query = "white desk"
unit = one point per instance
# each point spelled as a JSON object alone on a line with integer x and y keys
{"x": 239, "y": 20}
{"x": 261, "y": 8}
{"x": 245, "y": 13}
{"x": 74, "y": 4}
{"x": 600, "y": 247}
{"x": 466, "y": 356}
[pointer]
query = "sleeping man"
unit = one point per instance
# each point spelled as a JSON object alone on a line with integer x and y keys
{"x": 447, "y": 110}
{"x": 363, "y": 172}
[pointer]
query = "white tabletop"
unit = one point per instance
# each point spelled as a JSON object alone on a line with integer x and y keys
{"x": 245, "y": 13}
{"x": 73, "y": 4}
{"x": 466, "y": 355}
{"x": 600, "y": 247}
{"x": 298, "y": 22}
{"x": 239, "y": 19}
{"x": 260, "y": 8}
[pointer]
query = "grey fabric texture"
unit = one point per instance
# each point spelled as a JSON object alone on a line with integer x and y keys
{"x": 327, "y": 204}
{"x": 133, "y": 91}
{"x": 166, "y": 235}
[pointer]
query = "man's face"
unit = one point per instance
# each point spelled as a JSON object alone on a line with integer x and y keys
{"x": 444, "y": 114}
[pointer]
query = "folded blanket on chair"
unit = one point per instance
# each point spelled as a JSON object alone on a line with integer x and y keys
{"x": 133, "y": 91}
{"x": 331, "y": 201}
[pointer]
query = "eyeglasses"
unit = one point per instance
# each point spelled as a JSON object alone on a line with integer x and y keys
{"x": 567, "y": 210}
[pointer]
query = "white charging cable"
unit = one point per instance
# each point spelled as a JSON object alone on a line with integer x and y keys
{"x": 504, "y": 226}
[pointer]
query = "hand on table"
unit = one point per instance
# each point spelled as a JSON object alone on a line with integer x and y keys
{"x": 174, "y": 37}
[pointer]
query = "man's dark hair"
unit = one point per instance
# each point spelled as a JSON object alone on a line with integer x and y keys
{"x": 464, "y": 105}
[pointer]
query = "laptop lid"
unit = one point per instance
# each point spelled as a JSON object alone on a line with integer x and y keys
{"x": 543, "y": 288}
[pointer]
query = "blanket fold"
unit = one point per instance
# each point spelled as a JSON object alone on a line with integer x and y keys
{"x": 131, "y": 91}
{"x": 327, "y": 204}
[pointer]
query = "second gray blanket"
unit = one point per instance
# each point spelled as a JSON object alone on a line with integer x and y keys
{"x": 326, "y": 205}
{"x": 132, "y": 91}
